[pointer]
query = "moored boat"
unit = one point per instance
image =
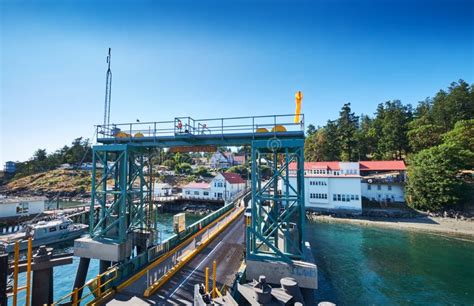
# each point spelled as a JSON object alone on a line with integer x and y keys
{"x": 43, "y": 233}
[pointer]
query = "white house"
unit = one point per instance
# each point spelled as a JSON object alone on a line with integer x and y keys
{"x": 21, "y": 206}
{"x": 221, "y": 160}
{"x": 227, "y": 185}
{"x": 330, "y": 185}
{"x": 224, "y": 186}
{"x": 197, "y": 191}
{"x": 161, "y": 189}
{"x": 383, "y": 181}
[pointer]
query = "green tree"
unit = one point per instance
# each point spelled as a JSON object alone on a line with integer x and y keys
{"x": 310, "y": 130}
{"x": 333, "y": 148}
{"x": 170, "y": 164}
{"x": 202, "y": 171}
{"x": 347, "y": 125}
{"x": 434, "y": 174}
{"x": 184, "y": 168}
{"x": 391, "y": 125}
{"x": 434, "y": 182}
{"x": 462, "y": 137}
{"x": 323, "y": 145}
{"x": 366, "y": 138}
{"x": 423, "y": 134}
{"x": 454, "y": 105}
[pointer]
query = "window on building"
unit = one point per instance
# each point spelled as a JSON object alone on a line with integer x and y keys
{"x": 343, "y": 198}
{"x": 325, "y": 196}
{"x": 334, "y": 197}
{"x": 389, "y": 187}
{"x": 352, "y": 197}
{"x": 206, "y": 193}
{"x": 196, "y": 193}
{"x": 52, "y": 229}
{"x": 187, "y": 192}
{"x": 357, "y": 197}
{"x": 22, "y": 208}
{"x": 339, "y": 197}
{"x": 369, "y": 187}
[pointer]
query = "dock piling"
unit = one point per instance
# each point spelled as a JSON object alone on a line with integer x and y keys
{"x": 3, "y": 278}
{"x": 81, "y": 275}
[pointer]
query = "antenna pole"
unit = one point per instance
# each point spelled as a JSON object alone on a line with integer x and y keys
{"x": 108, "y": 93}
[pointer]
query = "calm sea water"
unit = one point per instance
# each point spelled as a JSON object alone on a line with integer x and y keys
{"x": 64, "y": 275}
{"x": 361, "y": 265}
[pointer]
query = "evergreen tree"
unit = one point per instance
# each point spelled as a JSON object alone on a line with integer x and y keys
{"x": 347, "y": 125}
{"x": 392, "y": 128}
{"x": 310, "y": 130}
{"x": 366, "y": 138}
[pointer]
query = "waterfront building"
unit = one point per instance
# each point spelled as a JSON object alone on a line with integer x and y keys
{"x": 338, "y": 185}
{"x": 10, "y": 167}
{"x": 162, "y": 189}
{"x": 21, "y": 206}
{"x": 330, "y": 185}
{"x": 383, "y": 181}
{"x": 195, "y": 190}
{"x": 224, "y": 186}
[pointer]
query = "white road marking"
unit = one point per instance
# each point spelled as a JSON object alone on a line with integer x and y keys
{"x": 197, "y": 267}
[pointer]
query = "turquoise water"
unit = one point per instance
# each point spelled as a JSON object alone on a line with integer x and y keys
{"x": 361, "y": 265}
{"x": 64, "y": 275}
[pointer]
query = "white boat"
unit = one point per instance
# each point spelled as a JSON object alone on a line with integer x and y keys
{"x": 43, "y": 233}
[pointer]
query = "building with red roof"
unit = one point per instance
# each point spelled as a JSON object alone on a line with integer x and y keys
{"x": 382, "y": 165}
{"x": 335, "y": 185}
{"x": 224, "y": 186}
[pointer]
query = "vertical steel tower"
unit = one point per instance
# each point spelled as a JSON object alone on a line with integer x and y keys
{"x": 276, "y": 231}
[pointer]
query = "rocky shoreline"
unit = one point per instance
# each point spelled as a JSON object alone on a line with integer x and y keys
{"x": 420, "y": 222}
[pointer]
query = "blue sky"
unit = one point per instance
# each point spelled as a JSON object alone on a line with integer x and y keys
{"x": 218, "y": 58}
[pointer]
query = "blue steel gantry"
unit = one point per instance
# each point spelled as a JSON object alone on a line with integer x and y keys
{"x": 127, "y": 216}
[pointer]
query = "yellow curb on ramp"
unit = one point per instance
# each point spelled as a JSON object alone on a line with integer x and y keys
{"x": 155, "y": 286}
{"x": 109, "y": 293}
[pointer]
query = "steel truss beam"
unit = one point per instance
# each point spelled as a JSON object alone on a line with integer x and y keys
{"x": 121, "y": 191}
{"x": 277, "y": 226}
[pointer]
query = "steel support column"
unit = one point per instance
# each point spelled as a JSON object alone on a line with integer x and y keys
{"x": 278, "y": 212}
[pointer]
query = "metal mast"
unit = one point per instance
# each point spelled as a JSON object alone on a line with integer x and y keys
{"x": 108, "y": 93}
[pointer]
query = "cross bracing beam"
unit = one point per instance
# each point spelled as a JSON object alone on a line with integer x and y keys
{"x": 277, "y": 227}
{"x": 120, "y": 189}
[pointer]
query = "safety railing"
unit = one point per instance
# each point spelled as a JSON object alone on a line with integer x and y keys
{"x": 97, "y": 286}
{"x": 210, "y": 126}
{"x": 27, "y": 287}
{"x": 117, "y": 274}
